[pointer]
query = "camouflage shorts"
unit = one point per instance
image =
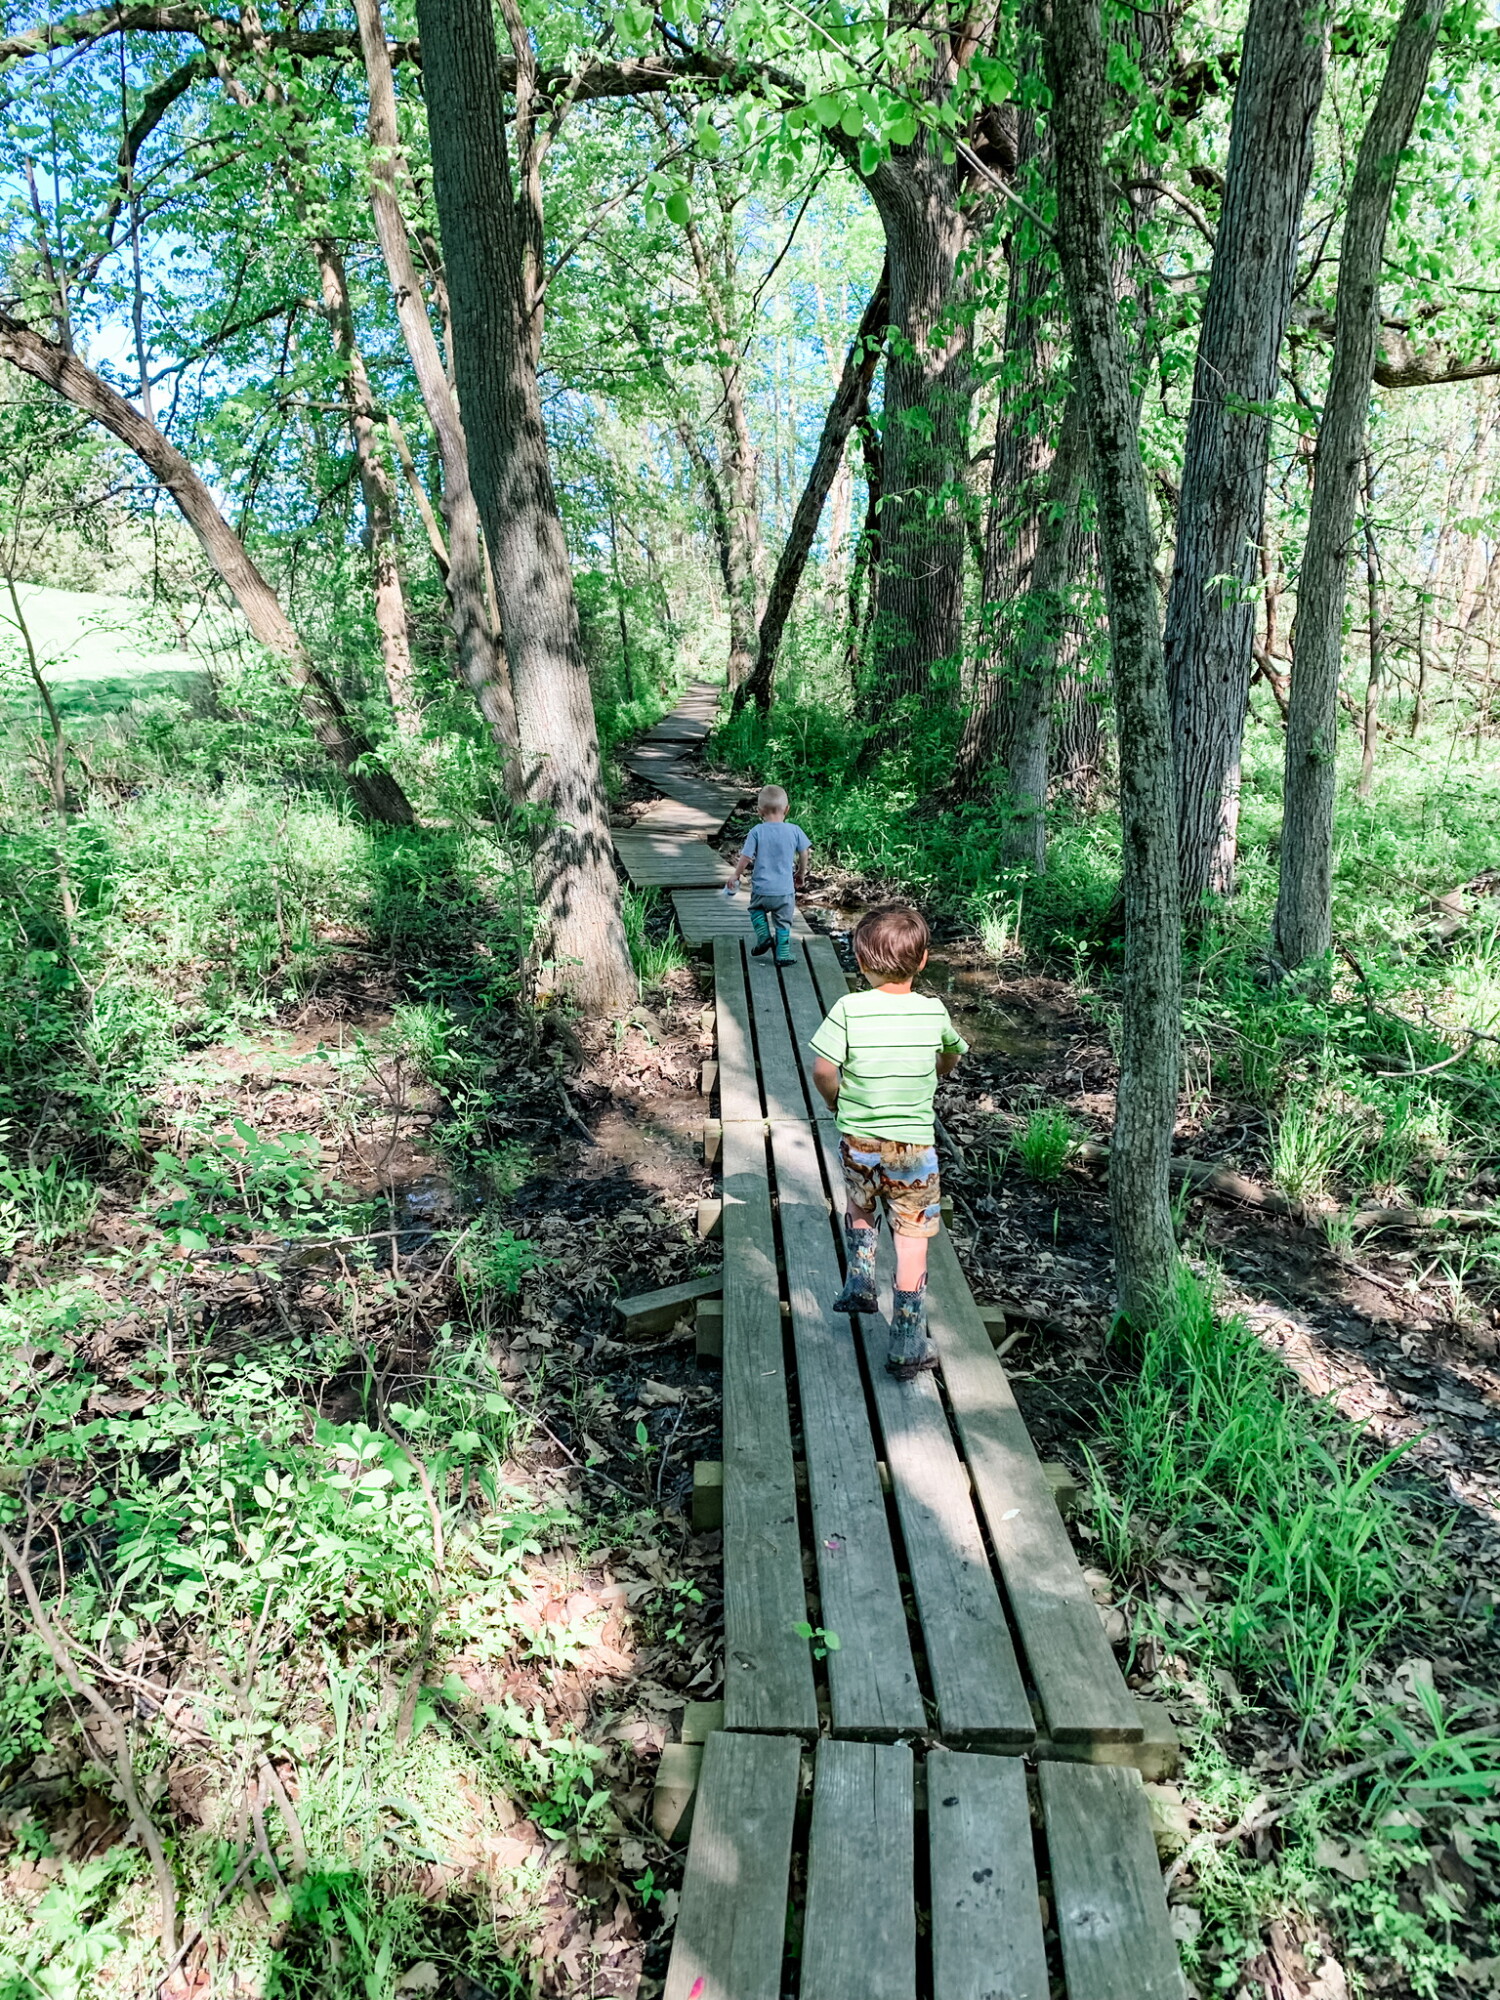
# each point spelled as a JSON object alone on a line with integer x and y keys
{"x": 903, "y": 1180}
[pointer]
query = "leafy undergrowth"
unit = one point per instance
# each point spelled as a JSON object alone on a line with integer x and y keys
{"x": 347, "y": 1551}
{"x": 1293, "y": 1483}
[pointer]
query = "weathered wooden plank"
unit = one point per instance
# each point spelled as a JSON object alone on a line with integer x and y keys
{"x": 860, "y": 1936}
{"x": 669, "y": 861}
{"x": 828, "y": 975}
{"x": 807, "y": 1012}
{"x": 1106, "y": 1885}
{"x": 768, "y": 1678}
{"x": 704, "y": 914}
{"x": 971, "y": 1656}
{"x": 739, "y": 1083}
{"x": 872, "y": 1678}
{"x": 780, "y": 1071}
{"x": 986, "y": 1920}
{"x": 1071, "y": 1665}
{"x": 656, "y": 1312}
{"x": 731, "y": 1927}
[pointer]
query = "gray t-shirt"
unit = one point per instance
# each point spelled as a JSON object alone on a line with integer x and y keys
{"x": 774, "y": 846}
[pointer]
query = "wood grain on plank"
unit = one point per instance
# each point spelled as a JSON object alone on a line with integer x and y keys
{"x": 739, "y": 1083}
{"x": 780, "y": 1071}
{"x": 986, "y": 1919}
{"x": 704, "y": 914}
{"x": 806, "y": 1011}
{"x": 669, "y": 861}
{"x": 1083, "y": 1694}
{"x": 828, "y": 975}
{"x": 731, "y": 1926}
{"x": 872, "y": 1678}
{"x": 971, "y": 1656}
{"x": 768, "y": 1678}
{"x": 1106, "y": 1885}
{"x": 860, "y": 1935}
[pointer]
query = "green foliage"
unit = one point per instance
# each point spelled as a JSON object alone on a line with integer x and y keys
{"x": 242, "y": 1183}
{"x": 653, "y": 958}
{"x": 1308, "y": 1145}
{"x": 556, "y": 1776}
{"x": 42, "y": 1205}
{"x": 1045, "y": 1144}
{"x": 1210, "y": 1450}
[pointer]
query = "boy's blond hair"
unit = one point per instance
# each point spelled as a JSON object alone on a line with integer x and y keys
{"x": 771, "y": 799}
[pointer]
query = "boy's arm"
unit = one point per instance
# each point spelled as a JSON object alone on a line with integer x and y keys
{"x": 827, "y": 1078}
{"x": 952, "y": 1049}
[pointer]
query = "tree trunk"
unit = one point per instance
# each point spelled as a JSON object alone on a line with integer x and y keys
{"x": 376, "y": 790}
{"x": 481, "y": 656}
{"x": 739, "y": 482}
{"x": 929, "y": 385}
{"x": 1210, "y": 629}
{"x": 1371, "y": 728}
{"x": 490, "y": 255}
{"x": 376, "y": 488}
{"x": 1020, "y": 468}
{"x": 1032, "y": 676}
{"x": 1078, "y": 739}
{"x": 1140, "y": 1205}
{"x": 1304, "y": 905}
{"x": 851, "y": 401}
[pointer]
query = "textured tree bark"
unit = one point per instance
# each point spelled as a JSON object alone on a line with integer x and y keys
{"x": 851, "y": 402}
{"x": 1079, "y": 744}
{"x": 1038, "y": 658}
{"x": 1370, "y": 729}
{"x": 1304, "y": 903}
{"x": 1019, "y": 470}
{"x": 376, "y": 489}
{"x": 481, "y": 656}
{"x": 737, "y": 499}
{"x": 1140, "y": 1207}
{"x": 1210, "y": 627}
{"x": 489, "y": 246}
{"x": 376, "y": 790}
{"x": 929, "y": 386}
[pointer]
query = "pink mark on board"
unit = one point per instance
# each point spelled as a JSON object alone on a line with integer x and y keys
{"x": 700, "y": 1986}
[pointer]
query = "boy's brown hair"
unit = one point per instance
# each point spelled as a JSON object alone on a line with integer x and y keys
{"x": 891, "y": 942}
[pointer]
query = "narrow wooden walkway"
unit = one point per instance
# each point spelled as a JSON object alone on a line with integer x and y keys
{"x": 878, "y": 1776}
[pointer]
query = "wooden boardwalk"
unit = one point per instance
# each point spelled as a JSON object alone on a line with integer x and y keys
{"x": 881, "y": 1774}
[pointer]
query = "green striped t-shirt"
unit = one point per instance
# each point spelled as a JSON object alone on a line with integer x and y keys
{"x": 887, "y": 1045}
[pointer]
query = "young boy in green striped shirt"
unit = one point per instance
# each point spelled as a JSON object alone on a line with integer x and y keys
{"x": 879, "y": 1057}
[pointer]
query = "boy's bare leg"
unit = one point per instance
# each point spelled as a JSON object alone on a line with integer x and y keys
{"x": 911, "y": 1263}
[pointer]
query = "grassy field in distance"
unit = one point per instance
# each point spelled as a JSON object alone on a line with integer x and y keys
{"x": 98, "y": 651}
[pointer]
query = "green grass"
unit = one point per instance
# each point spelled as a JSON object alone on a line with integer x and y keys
{"x": 1210, "y": 1449}
{"x": 1044, "y": 1146}
{"x": 98, "y": 652}
{"x": 653, "y": 958}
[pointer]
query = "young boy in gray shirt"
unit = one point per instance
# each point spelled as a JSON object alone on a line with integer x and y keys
{"x": 776, "y": 851}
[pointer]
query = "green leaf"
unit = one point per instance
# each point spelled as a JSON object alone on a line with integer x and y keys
{"x": 676, "y": 206}
{"x": 870, "y": 156}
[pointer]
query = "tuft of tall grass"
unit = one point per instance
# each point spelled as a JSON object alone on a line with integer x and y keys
{"x": 653, "y": 958}
{"x": 1308, "y": 1147}
{"x": 1044, "y": 1146}
{"x": 1214, "y": 1451}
